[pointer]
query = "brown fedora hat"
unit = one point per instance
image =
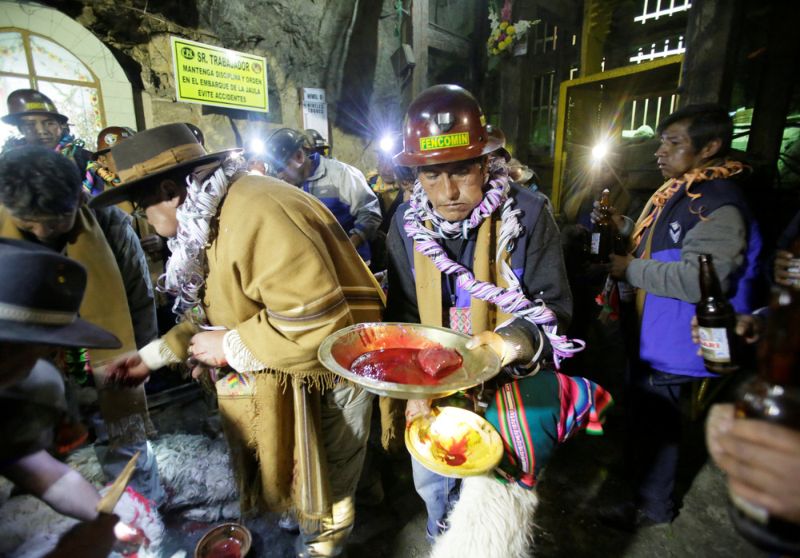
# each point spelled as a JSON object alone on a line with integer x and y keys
{"x": 30, "y": 102}
{"x": 151, "y": 154}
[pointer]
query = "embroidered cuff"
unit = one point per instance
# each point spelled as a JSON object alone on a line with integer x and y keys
{"x": 238, "y": 355}
{"x": 157, "y": 354}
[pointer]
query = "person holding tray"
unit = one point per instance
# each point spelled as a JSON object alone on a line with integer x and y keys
{"x": 478, "y": 254}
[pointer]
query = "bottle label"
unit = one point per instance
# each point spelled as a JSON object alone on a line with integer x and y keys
{"x": 714, "y": 344}
{"x": 751, "y": 510}
{"x": 595, "y": 246}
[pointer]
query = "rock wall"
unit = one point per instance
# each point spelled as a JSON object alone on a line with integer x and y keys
{"x": 342, "y": 46}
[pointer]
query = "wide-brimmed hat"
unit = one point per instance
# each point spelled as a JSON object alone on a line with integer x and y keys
{"x": 40, "y": 294}
{"x": 150, "y": 154}
{"x": 29, "y": 102}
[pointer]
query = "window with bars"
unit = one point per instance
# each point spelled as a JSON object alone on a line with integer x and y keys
{"x": 545, "y": 38}
{"x": 648, "y": 111}
{"x": 543, "y": 110}
{"x": 664, "y": 40}
{"x": 653, "y": 10}
{"x": 664, "y": 45}
{"x": 660, "y": 49}
{"x": 31, "y": 61}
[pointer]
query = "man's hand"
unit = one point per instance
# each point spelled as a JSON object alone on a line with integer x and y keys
{"x": 619, "y": 265}
{"x": 417, "y": 408}
{"x": 356, "y": 239}
{"x": 616, "y": 217}
{"x": 128, "y": 370}
{"x": 206, "y": 348}
{"x": 490, "y": 339}
{"x": 89, "y": 539}
{"x": 762, "y": 460}
{"x": 749, "y": 327}
{"x": 787, "y": 269}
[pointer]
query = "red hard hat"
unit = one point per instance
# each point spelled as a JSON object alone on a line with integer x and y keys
{"x": 29, "y": 102}
{"x": 444, "y": 124}
{"x": 111, "y": 136}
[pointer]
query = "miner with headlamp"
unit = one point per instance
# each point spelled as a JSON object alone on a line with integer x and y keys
{"x": 473, "y": 252}
{"x": 341, "y": 187}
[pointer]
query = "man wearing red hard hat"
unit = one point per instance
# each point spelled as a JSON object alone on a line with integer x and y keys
{"x": 478, "y": 254}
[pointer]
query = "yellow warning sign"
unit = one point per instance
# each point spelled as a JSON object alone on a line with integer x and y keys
{"x": 211, "y": 75}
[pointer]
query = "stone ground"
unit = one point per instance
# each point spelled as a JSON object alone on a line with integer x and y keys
{"x": 586, "y": 473}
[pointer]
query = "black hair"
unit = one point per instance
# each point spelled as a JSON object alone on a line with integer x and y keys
{"x": 37, "y": 181}
{"x": 707, "y": 122}
{"x": 161, "y": 188}
{"x": 404, "y": 174}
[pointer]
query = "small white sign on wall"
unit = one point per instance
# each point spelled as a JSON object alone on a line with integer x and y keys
{"x": 315, "y": 111}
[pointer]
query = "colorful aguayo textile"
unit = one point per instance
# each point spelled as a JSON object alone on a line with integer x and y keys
{"x": 534, "y": 414}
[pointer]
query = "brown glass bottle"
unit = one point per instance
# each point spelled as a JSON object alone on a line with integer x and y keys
{"x": 716, "y": 321}
{"x": 774, "y": 396}
{"x": 603, "y": 236}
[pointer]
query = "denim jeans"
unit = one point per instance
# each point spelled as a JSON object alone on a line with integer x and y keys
{"x": 656, "y": 435}
{"x": 439, "y": 494}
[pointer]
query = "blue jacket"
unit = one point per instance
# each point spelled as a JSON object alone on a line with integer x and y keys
{"x": 665, "y": 335}
{"x": 344, "y": 190}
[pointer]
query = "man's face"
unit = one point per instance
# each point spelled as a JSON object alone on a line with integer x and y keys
{"x": 48, "y": 229}
{"x": 386, "y": 168}
{"x": 41, "y": 130}
{"x": 18, "y": 360}
{"x": 162, "y": 214}
{"x": 454, "y": 189}
{"x": 106, "y": 162}
{"x": 676, "y": 155}
{"x": 295, "y": 170}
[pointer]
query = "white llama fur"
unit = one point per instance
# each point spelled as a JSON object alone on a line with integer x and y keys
{"x": 490, "y": 520}
{"x": 195, "y": 472}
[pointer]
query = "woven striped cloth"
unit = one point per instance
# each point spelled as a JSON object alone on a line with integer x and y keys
{"x": 535, "y": 414}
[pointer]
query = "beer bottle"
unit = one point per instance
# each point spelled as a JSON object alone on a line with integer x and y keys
{"x": 602, "y": 240}
{"x": 716, "y": 321}
{"x": 774, "y": 396}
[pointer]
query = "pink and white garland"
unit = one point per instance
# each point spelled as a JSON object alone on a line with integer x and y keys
{"x": 185, "y": 272}
{"x": 511, "y": 300}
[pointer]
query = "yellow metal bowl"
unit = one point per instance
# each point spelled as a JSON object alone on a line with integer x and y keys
{"x": 338, "y": 351}
{"x": 454, "y": 442}
{"x": 221, "y": 533}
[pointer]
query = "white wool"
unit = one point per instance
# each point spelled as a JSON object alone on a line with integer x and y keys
{"x": 197, "y": 475}
{"x": 490, "y": 520}
{"x": 195, "y": 472}
{"x": 134, "y": 510}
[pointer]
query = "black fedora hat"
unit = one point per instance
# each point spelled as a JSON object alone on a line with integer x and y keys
{"x": 40, "y": 293}
{"x": 150, "y": 154}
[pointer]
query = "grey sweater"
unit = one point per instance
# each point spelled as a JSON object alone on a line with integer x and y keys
{"x": 723, "y": 235}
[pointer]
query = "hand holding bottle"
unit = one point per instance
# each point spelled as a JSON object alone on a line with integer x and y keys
{"x": 762, "y": 460}
{"x": 598, "y": 214}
